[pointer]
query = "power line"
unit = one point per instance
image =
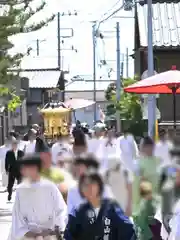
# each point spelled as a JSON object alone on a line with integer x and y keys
{"x": 111, "y": 8}
{"x": 105, "y": 19}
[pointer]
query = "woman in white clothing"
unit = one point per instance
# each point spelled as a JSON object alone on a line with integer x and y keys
{"x": 109, "y": 154}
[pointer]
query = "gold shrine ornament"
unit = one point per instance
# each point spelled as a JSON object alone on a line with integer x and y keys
{"x": 56, "y": 121}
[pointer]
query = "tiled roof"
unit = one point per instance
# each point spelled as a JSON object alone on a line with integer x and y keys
{"x": 166, "y": 24}
{"x": 42, "y": 79}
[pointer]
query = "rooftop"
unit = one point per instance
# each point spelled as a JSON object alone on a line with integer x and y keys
{"x": 166, "y": 24}
{"x": 49, "y": 79}
{"x": 42, "y": 79}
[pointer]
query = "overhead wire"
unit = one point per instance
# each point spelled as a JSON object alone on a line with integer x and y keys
{"x": 108, "y": 17}
{"x": 104, "y": 14}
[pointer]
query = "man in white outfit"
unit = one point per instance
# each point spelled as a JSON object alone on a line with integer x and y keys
{"x": 162, "y": 148}
{"x": 94, "y": 143}
{"x": 39, "y": 206}
{"x": 31, "y": 144}
{"x": 129, "y": 150}
{"x": 61, "y": 148}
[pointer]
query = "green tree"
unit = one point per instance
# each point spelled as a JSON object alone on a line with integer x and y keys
{"x": 129, "y": 105}
{"x": 15, "y": 15}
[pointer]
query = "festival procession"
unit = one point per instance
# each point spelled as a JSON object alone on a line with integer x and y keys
{"x": 71, "y": 182}
{"x": 66, "y": 174}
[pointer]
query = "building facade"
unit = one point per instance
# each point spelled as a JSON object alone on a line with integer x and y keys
{"x": 166, "y": 41}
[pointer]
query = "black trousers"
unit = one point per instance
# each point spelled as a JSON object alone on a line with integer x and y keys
{"x": 12, "y": 176}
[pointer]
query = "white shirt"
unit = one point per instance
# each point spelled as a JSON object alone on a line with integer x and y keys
{"x": 37, "y": 206}
{"x": 21, "y": 145}
{"x": 16, "y": 153}
{"x": 162, "y": 151}
{"x": 30, "y": 147}
{"x": 60, "y": 148}
{"x": 129, "y": 150}
{"x": 108, "y": 155}
{"x": 74, "y": 198}
{"x": 93, "y": 145}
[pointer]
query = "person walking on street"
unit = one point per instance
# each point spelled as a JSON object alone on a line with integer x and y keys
{"x": 12, "y": 166}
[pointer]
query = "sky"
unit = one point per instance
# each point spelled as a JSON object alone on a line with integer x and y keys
{"x": 80, "y": 62}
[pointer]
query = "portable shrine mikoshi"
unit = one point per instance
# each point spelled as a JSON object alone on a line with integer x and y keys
{"x": 57, "y": 119}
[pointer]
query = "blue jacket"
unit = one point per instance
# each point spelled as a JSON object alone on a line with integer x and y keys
{"x": 110, "y": 224}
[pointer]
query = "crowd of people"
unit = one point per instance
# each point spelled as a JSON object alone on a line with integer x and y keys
{"x": 92, "y": 185}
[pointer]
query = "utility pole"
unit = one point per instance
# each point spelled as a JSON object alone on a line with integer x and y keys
{"x": 94, "y": 38}
{"x": 38, "y": 41}
{"x": 62, "y": 80}
{"x": 59, "y": 40}
{"x": 127, "y": 63}
{"x": 37, "y": 47}
{"x": 118, "y": 81}
{"x": 151, "y": 98}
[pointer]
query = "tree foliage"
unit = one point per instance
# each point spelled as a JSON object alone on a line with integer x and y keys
{"x": 129, "y": 105}
{"x": 16, "y": 18}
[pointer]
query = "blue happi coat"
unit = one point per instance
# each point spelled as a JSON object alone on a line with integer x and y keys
{"x": 110, "y": 224}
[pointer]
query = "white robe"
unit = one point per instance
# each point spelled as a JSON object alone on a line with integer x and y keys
{"x": 62, "y": 148}
{"x": 110, "y": 156}
{"x": 30, "y": 147}
{"x": 129, "y": 151}
{"x": 93, "y": 145}
{"x": 37, "y": 206}
{"x": 22, "y": 145}
{"x": 74, "y": 198}
{"x": 162, "y": 151}
{"x": 3, "y": 151}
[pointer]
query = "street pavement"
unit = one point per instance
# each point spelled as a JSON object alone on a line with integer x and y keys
{"x": 5, "y": 213}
